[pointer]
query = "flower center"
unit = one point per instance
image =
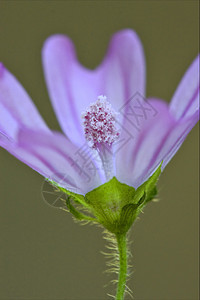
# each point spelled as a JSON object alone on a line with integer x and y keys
{"x": 99, "y": 122}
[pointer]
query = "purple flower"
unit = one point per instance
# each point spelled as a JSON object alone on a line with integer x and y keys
{"x": 150, "y": 131}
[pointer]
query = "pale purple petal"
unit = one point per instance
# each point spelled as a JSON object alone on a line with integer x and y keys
{"x": 72, "y": 87}
{"x": 55, "y": 157}
{"x": 139, "y": 114}
{"x": 8, "y": 125}
{"x": 123, "y": 69}
{"x": 177, "y": 137}
{"x": 17, "y": 106}
{"x": 169, "y": 145}
{"x": 185, "y": 101}
{"x": 146, "y": 134}
{"x": 159, "y": 140}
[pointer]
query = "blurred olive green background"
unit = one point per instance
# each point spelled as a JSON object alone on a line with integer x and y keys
{"x": 44, "y": 255}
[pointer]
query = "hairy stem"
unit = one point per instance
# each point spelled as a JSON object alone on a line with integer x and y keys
{"x": 122, "y": 248}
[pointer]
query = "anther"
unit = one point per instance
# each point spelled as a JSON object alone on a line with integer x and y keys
{"x": 99, "y": 122}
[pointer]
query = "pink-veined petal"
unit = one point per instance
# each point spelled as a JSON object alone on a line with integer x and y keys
{"x": 8, "y": 125}
{"x": 159, "y": 140}
{"x": 140, "y": 114}
{"x": 16, "y": 108}
{"x": 168, "y": 147}
{"x": 56, "y": 158}
{"x": 72, "y": 87}
{"x": 185, "y": 101}
{"x": 123, "y": 68}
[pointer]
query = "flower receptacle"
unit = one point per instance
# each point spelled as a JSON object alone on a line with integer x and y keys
{"x": 114, "y": 205}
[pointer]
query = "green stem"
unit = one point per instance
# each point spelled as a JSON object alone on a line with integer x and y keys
{"x": 122, "y": 248}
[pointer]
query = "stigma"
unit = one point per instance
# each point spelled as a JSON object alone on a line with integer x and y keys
{"x": 99, "y": 121}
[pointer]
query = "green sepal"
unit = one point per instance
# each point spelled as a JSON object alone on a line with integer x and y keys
{"x": 128, "y": 215}
{"x": 114, "y": 205}
{"x": 77, "y": 214}
{"x": 78, "y": 198}
{"x": 149, "y": 187}
{"x": 145, "y": 193}
{"x": 107, "y": 201}
{"x": 110, "y": 194}
{"x": 152, "y": 194}
{"x": 117, "y": 205}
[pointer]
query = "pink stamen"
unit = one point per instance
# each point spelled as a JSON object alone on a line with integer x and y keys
{"x": 99, "y": 123}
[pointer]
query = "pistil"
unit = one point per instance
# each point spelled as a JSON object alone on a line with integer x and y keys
{"x": 99, "y": 121}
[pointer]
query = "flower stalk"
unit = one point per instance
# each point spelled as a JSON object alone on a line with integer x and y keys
{"x": 122, "y": 248}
